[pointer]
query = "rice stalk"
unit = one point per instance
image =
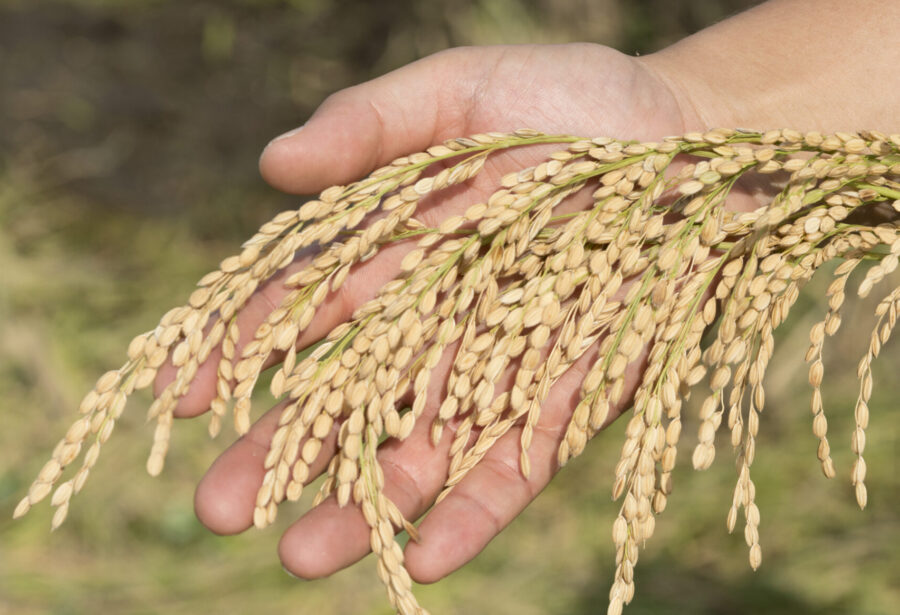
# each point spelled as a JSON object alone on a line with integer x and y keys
{"x": 641, "y": 273}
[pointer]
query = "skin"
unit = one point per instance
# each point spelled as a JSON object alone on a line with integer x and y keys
{"x": 758, "y": 81}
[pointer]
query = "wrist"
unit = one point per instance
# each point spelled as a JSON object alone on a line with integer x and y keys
{"x": 712, "y": 98}
{"x": 695, "y": 116}
{"x": 780, "y": 65}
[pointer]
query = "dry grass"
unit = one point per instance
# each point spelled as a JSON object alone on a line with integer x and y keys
{"x": 519, "y": 289}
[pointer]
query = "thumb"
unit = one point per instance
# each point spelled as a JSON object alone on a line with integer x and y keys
{"x": 366, "y": 126}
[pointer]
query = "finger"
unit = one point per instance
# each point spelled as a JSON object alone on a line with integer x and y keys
{"x": 466, "y": 90}
{"x": 365, "y": 126}
{"x": 329, "y": 537}
{"x": 495, "y": 491}
{"x": 359, "y": 287}
{"x": 226, "y": 495}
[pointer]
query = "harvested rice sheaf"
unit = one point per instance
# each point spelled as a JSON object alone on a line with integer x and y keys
{"x": 521, "y": 291}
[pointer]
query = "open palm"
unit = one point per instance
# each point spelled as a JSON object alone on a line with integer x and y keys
{"x": 572, "y": 89}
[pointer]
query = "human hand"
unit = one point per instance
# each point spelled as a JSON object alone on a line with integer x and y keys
{"x": 718, "y": 77}
{"x": 572, "y": 89}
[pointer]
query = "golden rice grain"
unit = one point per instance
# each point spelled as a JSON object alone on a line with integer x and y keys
{"x": 524, "y": 291}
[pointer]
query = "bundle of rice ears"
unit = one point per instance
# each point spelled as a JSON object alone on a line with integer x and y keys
{"x": 519, "y": 288}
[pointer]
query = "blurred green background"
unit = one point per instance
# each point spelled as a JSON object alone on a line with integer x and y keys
{"x": 129, "y": 134}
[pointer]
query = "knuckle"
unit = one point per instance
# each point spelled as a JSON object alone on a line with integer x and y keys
{"x": 406, "y": 483}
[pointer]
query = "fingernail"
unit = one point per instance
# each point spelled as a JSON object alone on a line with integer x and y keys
{"x": 291, "y": 574}
{"x": 288, "y": 134}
